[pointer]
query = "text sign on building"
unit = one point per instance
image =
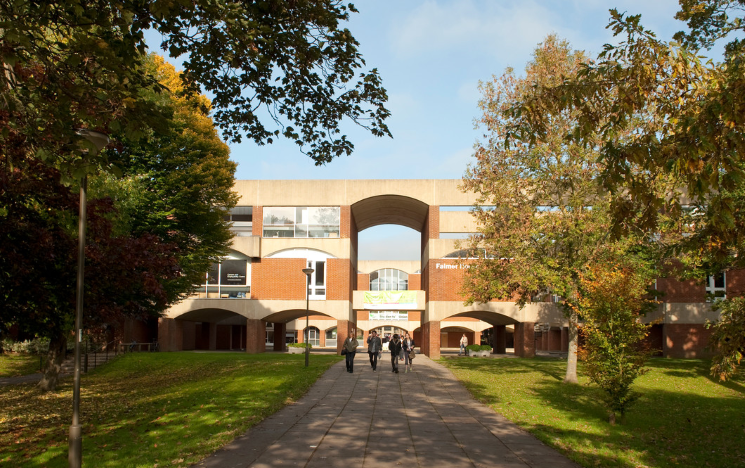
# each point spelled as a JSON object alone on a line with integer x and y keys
{"x": 389, "y": 300}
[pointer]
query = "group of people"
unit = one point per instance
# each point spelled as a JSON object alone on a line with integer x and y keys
{"x": 401, "y": 348}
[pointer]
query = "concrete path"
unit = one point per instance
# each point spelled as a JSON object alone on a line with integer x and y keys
{"x": 422, "y": 419}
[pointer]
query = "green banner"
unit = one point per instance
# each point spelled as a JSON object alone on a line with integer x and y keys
{"x": 389, "y": 300}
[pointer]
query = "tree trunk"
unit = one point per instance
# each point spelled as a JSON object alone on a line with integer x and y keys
{"x": 55, "y": 357}
{"x": 571, "y": 375}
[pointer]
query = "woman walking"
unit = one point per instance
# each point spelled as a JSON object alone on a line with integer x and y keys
{"x": 350, "y": 346}
{"x": 408, "y": 346}
{"x": 395, "y": 348}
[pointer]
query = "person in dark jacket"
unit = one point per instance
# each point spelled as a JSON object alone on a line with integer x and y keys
{"x": 395, "y": 348}
{"x": 374, "y": 346}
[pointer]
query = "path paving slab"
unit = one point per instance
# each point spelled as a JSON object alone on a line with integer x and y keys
{"x": 422, "y": 419}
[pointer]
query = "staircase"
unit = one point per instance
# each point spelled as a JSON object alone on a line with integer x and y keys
{"x": 95, "y": 359}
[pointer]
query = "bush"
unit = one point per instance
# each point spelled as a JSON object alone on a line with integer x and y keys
{"x": 300, "y": 345}
{"x": 485, "y": 348}
{"x": 474, "y": 347}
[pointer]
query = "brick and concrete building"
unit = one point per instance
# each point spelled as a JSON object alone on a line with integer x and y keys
{"x": 255, "y": 299}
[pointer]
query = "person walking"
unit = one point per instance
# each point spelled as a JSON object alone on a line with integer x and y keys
{"x": 350, "y": 346}
{"x": 374, "y": 345}
{"x": 395, "y": 348}
{"x": 463, "y": 344}
{"x": 408, "y": 346}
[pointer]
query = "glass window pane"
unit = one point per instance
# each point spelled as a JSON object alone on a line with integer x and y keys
{"x": 279, "y": 216}
{"x": 213, "y": 274}
{"x": 320, "y": 274}
{"x": 273, "y": 231}
{"x": 325, "y": 215}
{"x": 719, "y": 280}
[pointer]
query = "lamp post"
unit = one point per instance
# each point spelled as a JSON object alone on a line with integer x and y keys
{"x": 75, "y": 440}
{"x": 308, "y": 272}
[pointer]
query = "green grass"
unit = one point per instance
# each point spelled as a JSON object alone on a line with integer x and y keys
{"x": 152, "y": 409}
{"x": 683, "y": 419}
{"x": 13, "y": 365}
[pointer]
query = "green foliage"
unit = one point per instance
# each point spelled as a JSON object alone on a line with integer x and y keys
{"x": 473, "y": 347}
{"x": 300, "y": 345}
{"x": 683, "y": 419}
{"x": 148, "y": 409}
{"x": 275, "y": 69}
{"x": 614, "y": 298}
{"x": 728, "y": 337}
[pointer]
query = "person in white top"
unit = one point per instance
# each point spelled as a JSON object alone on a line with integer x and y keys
{"x": 463, "y": 344}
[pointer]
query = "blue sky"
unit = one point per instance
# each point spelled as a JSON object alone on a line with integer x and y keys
{"x": 431, "y": 55}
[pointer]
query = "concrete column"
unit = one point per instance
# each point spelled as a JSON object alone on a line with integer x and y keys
{"x": 565, "y": 339}
{"x": 213, "y": 335}
{"x": 431, "y": 339}
{"x": 344, "y": 328}
{"x": 280, "y": 330}
{"x": 170, "y": 334}
{"x": 525, "y": 339}
{"x": 500, "y": 339}
{"x": 255, "y": 336}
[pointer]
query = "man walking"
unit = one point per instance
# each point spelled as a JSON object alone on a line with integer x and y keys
{"x": 395, "y": 347}
{"x": 374, "y": 345}
{"x": 350, "y": 346}
{"x": 463, "y": 344}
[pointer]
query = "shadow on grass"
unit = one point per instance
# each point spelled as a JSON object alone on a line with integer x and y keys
{"x": 166, "y": 409}
{"x": 671, "y": 425}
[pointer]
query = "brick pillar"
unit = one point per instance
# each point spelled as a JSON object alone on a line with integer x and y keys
{"x": 554, "y": 340}
{"x": 322, "y": 338}
{"x": 255, "y": 336}
{"x": 344, "y": 328}
{"x": 431, "y": 339}
{"x": 500, "y": 339}
{"x": 565, "y": 339}
{"x": 280, "y": 330}
{"x": 213, "y": 335}
{"x": 170, "y": 334}
{"x": 544, "y": 339}
{"x": 477, "y": 338}
{"x": 300, "y": 335}
{"x": 525, "y": 339}
{"x": 365, "y": 336}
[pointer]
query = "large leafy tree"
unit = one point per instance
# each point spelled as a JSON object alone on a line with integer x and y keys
{"x": 153, "y": 231}
{"x": 694, "y": 138}
{"x": 550, "y": 216}
{"x": 275, "y": 68}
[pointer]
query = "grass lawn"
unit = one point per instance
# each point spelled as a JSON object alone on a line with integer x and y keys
{"x": 13, "y": 365}
{"x": 153, "y": 409}
{"x": 683, "y": 419}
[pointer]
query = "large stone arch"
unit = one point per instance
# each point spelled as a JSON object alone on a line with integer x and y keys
{"x": 390, "y": 209}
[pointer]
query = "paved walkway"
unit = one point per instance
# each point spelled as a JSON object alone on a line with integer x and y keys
{"x": 422, "y": 419}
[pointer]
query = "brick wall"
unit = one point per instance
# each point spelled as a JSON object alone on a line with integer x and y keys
{"x": 415, "y": 282}
{"x": 735, "y": 283}
{"x": 345, "y": 222}
{"x": 278, "y": 278}
{"x": 257, "y": 225}
{"x": 680, "y": 290}
{"x": 433, "y": 222}
{"x": 445, "y": 283}
{"x": 685, "y": 340}
{"x": 363, "y": 282}
{"x": 338, "y": 279}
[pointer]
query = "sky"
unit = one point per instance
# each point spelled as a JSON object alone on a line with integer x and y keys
{"x": 431, "y": 55}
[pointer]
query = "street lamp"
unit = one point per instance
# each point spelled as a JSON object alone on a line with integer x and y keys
{"x": 75, "y": 440}
{"x": 308, "y": 272}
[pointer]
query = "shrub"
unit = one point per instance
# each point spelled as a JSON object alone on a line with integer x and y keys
{"x": 300, "y": 345}
{"x": 474, "y": 347}
{"x": 485, "y": 348}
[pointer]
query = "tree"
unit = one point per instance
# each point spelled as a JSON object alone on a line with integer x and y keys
{"x": 549, "y": 216}
{"x": 694, "y": 138}
{"x": 274, "y": 68}
{"x": 728, "y": 337}
{"x": 614, "y": 297}
{"x": 152, "y": 232}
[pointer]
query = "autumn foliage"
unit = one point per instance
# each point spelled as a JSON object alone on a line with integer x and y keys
{"x": 613, "y": 300}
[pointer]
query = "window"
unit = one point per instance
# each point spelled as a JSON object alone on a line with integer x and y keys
{"x": 317, "y": 279}
{"x": 716, "y": 287}
{"x": 312, "y": 336}
{"x": 241, "y": 218}
{"x": 389, "y": 279}
{"x": 331, "y": 338}
{"x": 287, "y": 221}
{"x": 230, "y": 278}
